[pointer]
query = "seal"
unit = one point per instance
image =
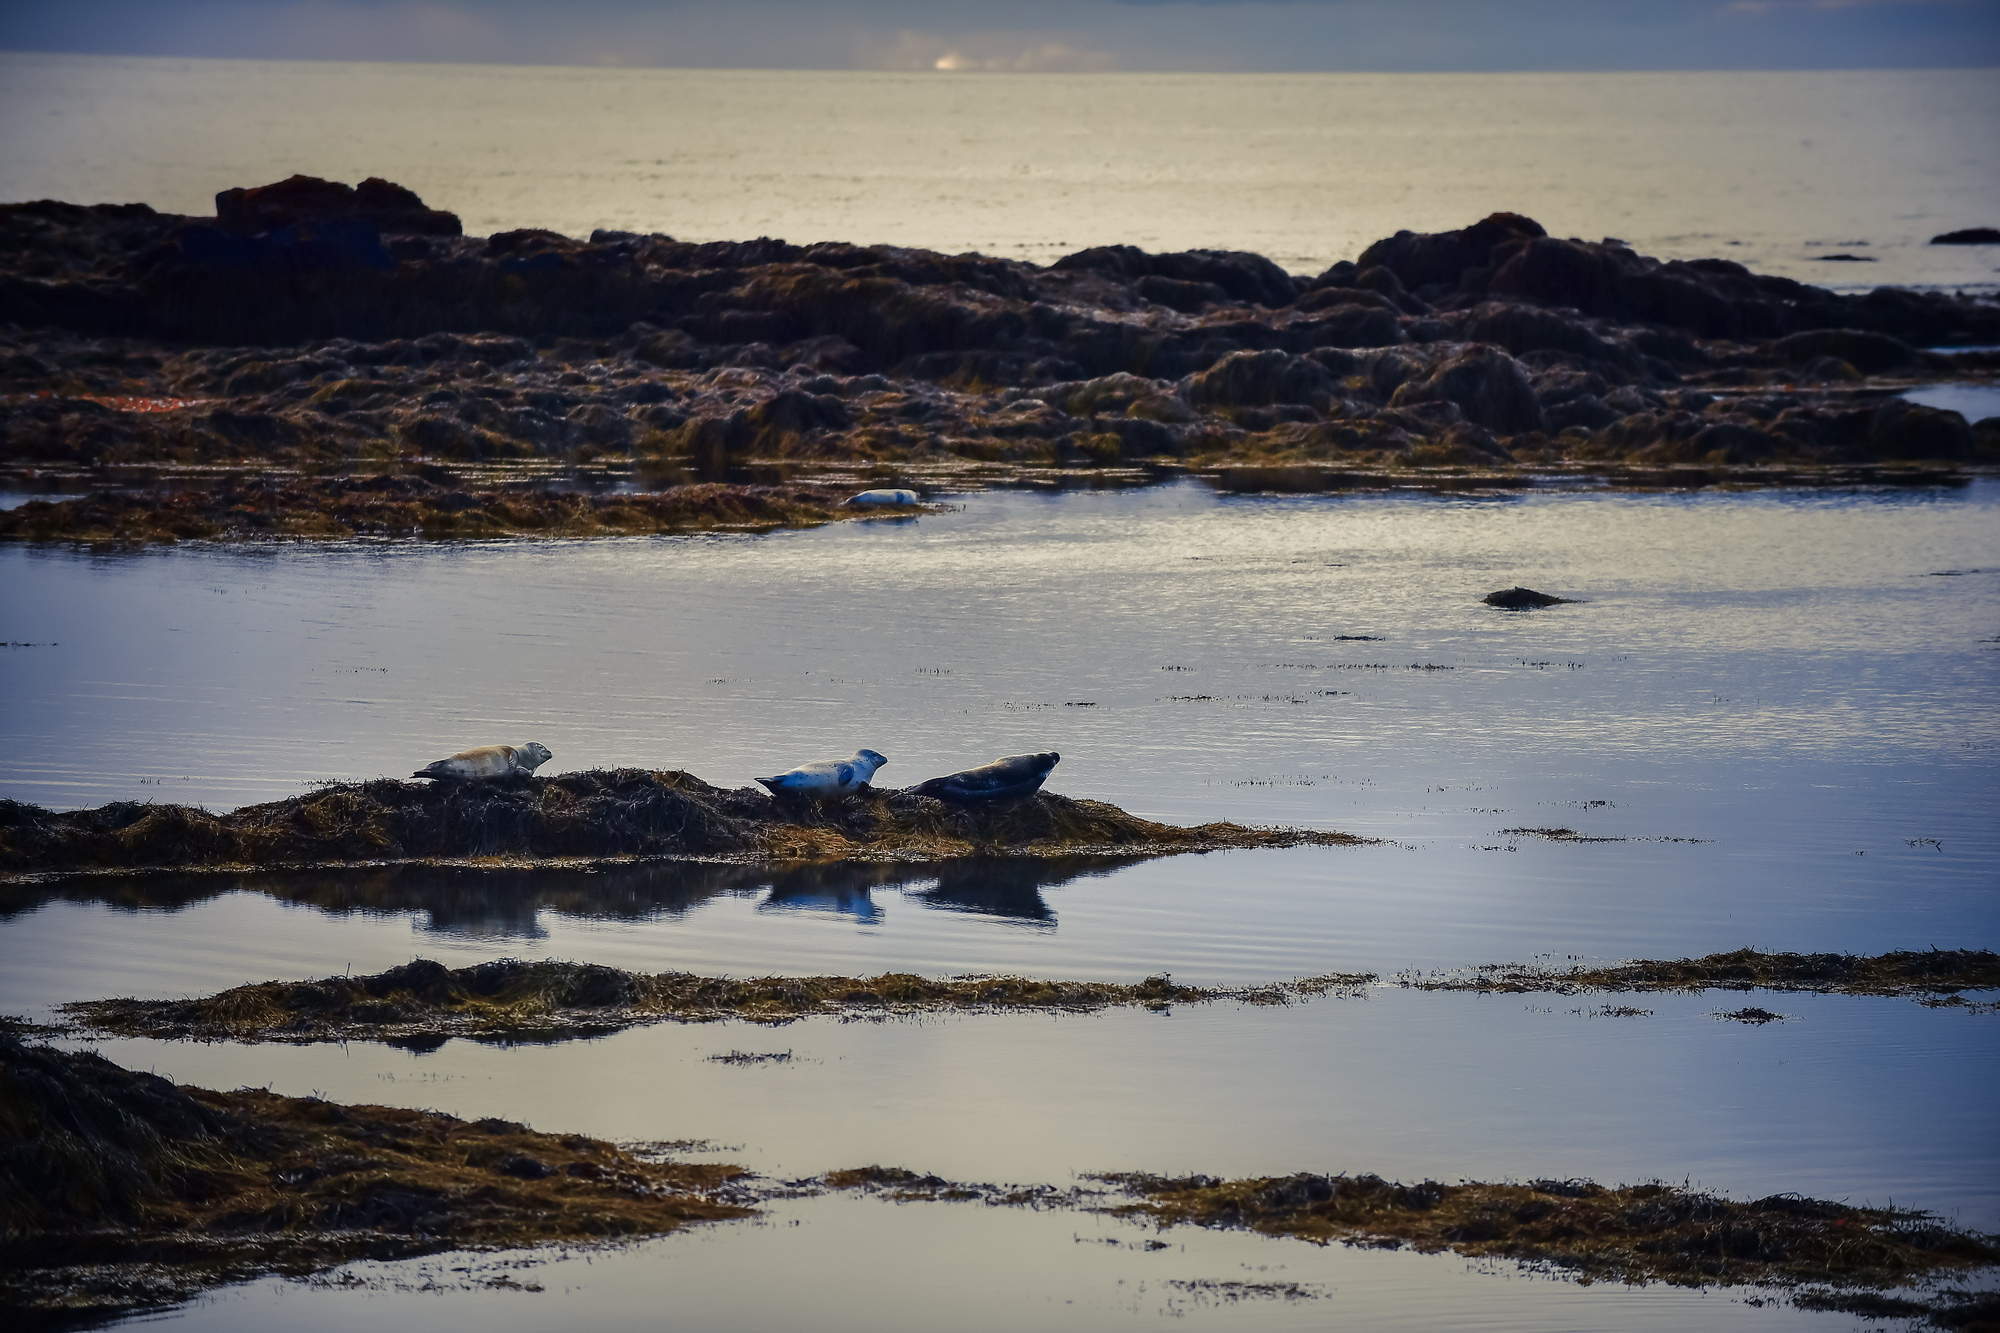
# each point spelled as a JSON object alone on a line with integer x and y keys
{"x": 1004, "y": 779}
{"x": 827, "y": 777}
{"x": 488, "y": 761}
{"x": 885, "y": 497}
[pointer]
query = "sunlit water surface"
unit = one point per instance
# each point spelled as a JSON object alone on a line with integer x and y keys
{"x": 1775, "y": 170}
{"x": 1783, "y": 700}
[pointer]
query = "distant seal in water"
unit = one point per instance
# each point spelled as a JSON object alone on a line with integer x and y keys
{"x": 885, "y": 497}
{"x": 489, "y": 761}
{"x": 827, "y": 777}
{"x": 1003, "y": 779}
{"x": 1515, "y": 599}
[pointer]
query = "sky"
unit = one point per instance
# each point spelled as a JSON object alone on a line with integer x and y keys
{"x": 970, "y": 36}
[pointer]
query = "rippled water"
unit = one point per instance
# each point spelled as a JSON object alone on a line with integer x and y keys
{"x": 1784, "y": 700}
{"x": 1777, "y": 170}
{"x": 864, "y": 1265}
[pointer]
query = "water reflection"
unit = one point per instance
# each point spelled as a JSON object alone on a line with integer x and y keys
{"x": 506, "y": 903}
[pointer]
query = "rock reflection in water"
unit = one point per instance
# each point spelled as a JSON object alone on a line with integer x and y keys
{"x": 507, "y": 903}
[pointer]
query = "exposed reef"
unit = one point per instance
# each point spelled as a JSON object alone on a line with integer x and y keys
{"x": 121, "y": 1191}
{"x": 591, "y": 816}
{"x": 423, "y": 1004}
{"x": 309, "y": 331}
{"x": 1829, "y": 1255}
{"x": 322, "y": 508}
{"x": 124, "y": 1192}
{"x": 1931, "y": 973}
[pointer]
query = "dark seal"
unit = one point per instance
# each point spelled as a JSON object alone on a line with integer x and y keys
{"x": 1003, "y": 779}
{"x": 1516, "y": 598}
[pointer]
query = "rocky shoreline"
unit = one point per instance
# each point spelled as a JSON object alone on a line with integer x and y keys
{"x": 423, "y": 1004}
{"x": 317, "y": 346}
{"x": 126, "y": 1192}
{"x": 603, "y": 816}
{"x": 123, "y": 1191}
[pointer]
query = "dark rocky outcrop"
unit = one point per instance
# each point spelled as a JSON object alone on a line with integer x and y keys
{"x": 1969, "y": 236}
{"x": 311, "y": 326}
{"x": 1515, "y": 599}
{"x": 122, "y": 1191}
{"x": 621, "y": 813}
{"x": 389, "y": 208}
{"x": 1490, "y": 387}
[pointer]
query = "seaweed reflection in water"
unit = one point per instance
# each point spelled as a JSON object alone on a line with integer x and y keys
{"x": 507, "y": 902}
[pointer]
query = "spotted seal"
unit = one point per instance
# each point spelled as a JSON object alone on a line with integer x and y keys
{"x": 488, "y": 761}
{"x": 827, "y": 777}
{"x": 885, "y": 497}
{"x": 1003, "y": 779}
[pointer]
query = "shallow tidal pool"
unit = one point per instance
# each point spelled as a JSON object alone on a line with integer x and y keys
{"x": 1777, "y": 709}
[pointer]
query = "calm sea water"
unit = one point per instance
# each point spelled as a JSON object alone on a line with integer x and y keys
{"x": 1783, "y": 701}
{"x": 1776, "y": 170}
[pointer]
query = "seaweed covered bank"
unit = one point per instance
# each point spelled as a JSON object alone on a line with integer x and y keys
{"x": 422, "y": 1004}
{"x": 122, "y": 1191}
{"x": 601, "y": 815}
{"x": 1938, "y": 975}
{"x": 1831, "y": 1256}
{"x": 313, "y": 330}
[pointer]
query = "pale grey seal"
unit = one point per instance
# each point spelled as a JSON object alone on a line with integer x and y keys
{"x": 827, "y": 777}
{"x": 1015, "y": 775}
{"x": 885, "y": 497}
{"x": 489, "y": 761}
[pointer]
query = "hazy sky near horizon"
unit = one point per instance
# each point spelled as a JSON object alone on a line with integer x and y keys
{"x": 972, "y": 35}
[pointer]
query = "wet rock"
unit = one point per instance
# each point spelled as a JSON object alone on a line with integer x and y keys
{"x": 1388, "y": 370}
{"x": 1382, "y": 280}
{"x": 313, "y": 245}
{"x": 1524, "y": 329}
{"x": 1241, "y": 276}
{"x": 388, "y": 207}
{"x": 1873, "y": 353}
{"x": 1969, "y": 236}
{"x": 1829, "y": 370}
{"x": 1329, "y": 297}
{"x": 1352, "y": 325}
{"x": 1729, "y": 442}
{"x": 1175, "y": 294}
{"x": 1584, "y": 410}
{"x": 1490, "y": 387}
{"x": 1518, "y": 598}
{"x": 1902, "y": 429}
{"x": 1246, "y": 379}
{"x": 1442, "y": 258}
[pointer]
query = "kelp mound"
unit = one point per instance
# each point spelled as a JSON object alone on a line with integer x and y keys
{"x": 604, "y": 814}
{"x": 1909, "y": 972}
{"x": 121, "y": 1191}
{"x": 423, "y": 1004}
{"x": 1841, "y": 1256}
{"x": 384, "y": 506}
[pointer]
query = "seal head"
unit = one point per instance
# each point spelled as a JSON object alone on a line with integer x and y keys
{"x": 1007, "y": 779}
{"x": 827, "y": 777}
{"x": 488, "y": 761}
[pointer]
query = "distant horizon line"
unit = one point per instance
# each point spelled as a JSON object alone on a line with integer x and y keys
{"x": 946, "y": 75}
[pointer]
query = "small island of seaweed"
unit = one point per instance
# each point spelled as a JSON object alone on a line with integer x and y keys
{"x": 594, "y": 816}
